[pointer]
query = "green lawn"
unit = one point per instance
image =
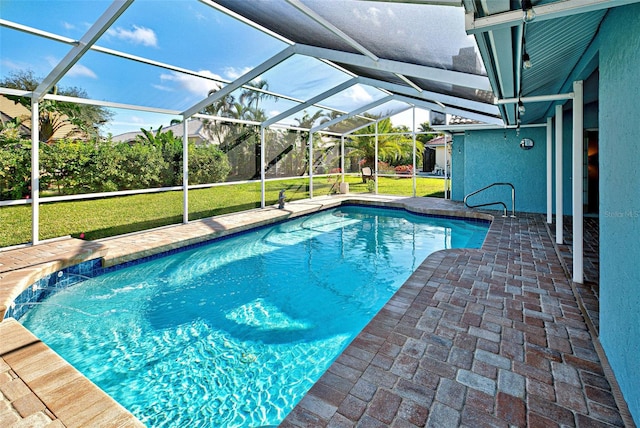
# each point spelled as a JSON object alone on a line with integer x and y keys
{"x": 99, "y": 218}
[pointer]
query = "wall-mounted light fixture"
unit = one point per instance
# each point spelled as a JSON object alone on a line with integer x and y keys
{"x": 526, "y": 61}
{"x": 528, "y": 13}
{"x": 526, "y": 144}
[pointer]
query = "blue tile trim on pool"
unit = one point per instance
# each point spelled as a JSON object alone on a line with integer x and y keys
{"x": 50, "y": 285}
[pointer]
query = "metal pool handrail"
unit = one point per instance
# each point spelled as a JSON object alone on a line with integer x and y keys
{"x": 504, "y": 206}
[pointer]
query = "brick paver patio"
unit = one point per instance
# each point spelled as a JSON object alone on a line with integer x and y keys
{"x": 491, "y": 337}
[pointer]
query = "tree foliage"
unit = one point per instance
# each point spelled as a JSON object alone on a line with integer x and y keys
{"x": 76, "y": 166}
{"x": 392, "y": 149}
{"x": 240, "y": 141}
{"x": 81, "y": 119}
{"x": 430, "y": 133}
{"x": 15, "y": 165}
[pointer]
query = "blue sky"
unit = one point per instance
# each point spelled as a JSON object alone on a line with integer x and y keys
{"x": 183, "y": 33}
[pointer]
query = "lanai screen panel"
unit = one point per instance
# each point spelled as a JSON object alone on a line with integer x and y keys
{"x": 286, "y": 153}
{"x": 411, "y": 33}
{"x": 349, "y": 124}
{"x": 415, "y": 33}
{"x": 354, "y": 97}
{"x": 388, "y": 109}
{"x": 303, "y": 77}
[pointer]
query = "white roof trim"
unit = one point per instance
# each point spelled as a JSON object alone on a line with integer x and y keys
{"x": 543, "y": 12}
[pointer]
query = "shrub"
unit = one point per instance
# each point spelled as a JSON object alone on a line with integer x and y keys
{"x": 15, "y": 168}
{"x": 68, "y": 165}
{"x": 123, "y": 167}
{"x": 207, "y": 164}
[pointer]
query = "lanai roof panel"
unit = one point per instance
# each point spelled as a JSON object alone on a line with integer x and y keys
{"x": 415, "y": 33}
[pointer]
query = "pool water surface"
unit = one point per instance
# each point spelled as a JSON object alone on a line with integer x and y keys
{"x": 235, "y": 333}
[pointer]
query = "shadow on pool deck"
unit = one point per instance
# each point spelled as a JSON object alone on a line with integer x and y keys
{"x": 489, "y": 337}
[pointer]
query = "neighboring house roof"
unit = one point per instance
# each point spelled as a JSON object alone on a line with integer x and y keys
{"x": 459, "y": 120}
{"x": 196, "y": 132}
{"x": 438, "y": 141}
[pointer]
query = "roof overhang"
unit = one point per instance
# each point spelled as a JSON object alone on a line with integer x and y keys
{"x": 561, "y": 41}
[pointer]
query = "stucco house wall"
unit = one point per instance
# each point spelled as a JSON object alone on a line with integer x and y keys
{"x": 620, "y": 199}
{"x": 484, "y": 157}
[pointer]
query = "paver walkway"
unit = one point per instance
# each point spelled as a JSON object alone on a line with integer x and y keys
{"x": 491, "y": 337}
{"x": 589, "y": 291}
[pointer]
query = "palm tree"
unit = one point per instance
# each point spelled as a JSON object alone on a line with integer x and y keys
{"x": 241, "y": 142}
{"x": 54, "y": 116}
{"x": 391, "y": 148}
{"x": 425, "y": 138}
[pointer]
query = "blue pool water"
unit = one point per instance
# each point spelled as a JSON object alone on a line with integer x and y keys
{"x": 234, "y": 333}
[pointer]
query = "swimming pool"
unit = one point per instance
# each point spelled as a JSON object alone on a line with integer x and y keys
{"x": 234, "y": 333}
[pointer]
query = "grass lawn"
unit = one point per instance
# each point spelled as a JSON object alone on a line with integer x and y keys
{"x": 99, "y": 218}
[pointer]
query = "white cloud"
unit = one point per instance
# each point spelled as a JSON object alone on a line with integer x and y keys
{"x": 132, "y": 120}
{"x": 12, "y": 65}
{"x": 195, "y": 85}
{"x": 77, "y": 70}
{"x": 358, "y": 94}
{"x": 137, "y": 36}
{"x": 406, "y": 118}
{"x": 163, "y": 88}
{"x": 199, "y": 16}
{"x": 233, "y": 73}
{"x": 68, "y": 26}
{"x": 80, "y": 70}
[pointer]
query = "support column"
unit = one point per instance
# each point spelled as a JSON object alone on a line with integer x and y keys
{"x": 185, "y": 170}
{"x": 342, "y": 158}
{"x": 446, "y": 169}
{"x": 310, "y": 164}
{"x": 262, "y": 167}
{"x": 375, "y": 163}
{"x": 577, "y": 196}
{"x": 35, "y": 172}
{"x": 414, "y": 152}
{"x": 559, "y": 208}
{"x": 549, "y": 170}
